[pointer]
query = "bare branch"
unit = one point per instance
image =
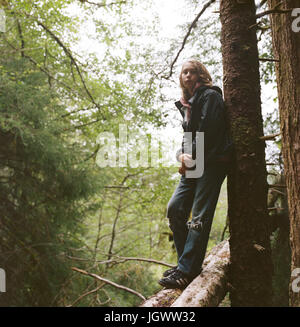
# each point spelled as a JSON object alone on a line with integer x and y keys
{"x": 269, "y": 137}
{"x": 278, "y": 185}
{"x": 187, "y": 35}
{"x": 262, "y": 28}
{"x": 273, "y": 10}
{"x": 127, "y": 289}
{"x": 276, "y": 191}
{"x": 123, "y": 259}
{"x": 113, "y": 232}
{"x": 103, "y": 4}
{"x": 269, "y": 59}
{"x": 117, "y": 186}
{"x": 86, "y": 294}
{"x": 21, "y": 37}
{"x": 100, "y": 224}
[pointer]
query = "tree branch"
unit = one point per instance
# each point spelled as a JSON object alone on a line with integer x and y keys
{"x": 278, "y": 185}
{"x": 21, "y": 37}
{"x": 269, "y": 59}
{"x": 44, "y": 70}
{"x": 86, "y": 294}
{"x": 113, "y": 232}
{"x": 276, "y": 191}
{"x": 274, "y": 10}
{"x": 269, "y": 137}
{"x": 187, "y": 35}
{"x": 102, "y": 4}
{"x": 124, "y": 259}
{"x": 82, "y": 125}
{"x": 278, "y": 11}
{"x": 121, "y": 287}
{"x": 69, "y": 54}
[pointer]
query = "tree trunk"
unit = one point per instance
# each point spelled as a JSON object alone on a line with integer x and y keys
{"x": 250, "y": 271}
{"x": 286, "y": 46}
{"x": 206, "y": 290}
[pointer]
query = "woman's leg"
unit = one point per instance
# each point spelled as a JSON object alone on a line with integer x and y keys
{"x": 178, "y": 212}
{"x": 207, "y": 192}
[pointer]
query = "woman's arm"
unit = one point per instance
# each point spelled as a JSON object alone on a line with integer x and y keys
{"x": 212, "y": 122}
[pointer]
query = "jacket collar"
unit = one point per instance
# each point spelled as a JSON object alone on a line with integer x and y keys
{"x": 201, "y": 89}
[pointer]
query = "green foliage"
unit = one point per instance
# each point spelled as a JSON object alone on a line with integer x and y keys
{"x": 58, "y": 208}
{"x": 54, "y": 103}
{"x": 43, "y": 184}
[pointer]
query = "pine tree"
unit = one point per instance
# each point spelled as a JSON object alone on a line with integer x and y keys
{"x": 42, "y": 184}
{"x": 251, "y": 267}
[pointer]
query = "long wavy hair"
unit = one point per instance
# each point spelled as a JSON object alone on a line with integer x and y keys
{"x": 204, "y": 77}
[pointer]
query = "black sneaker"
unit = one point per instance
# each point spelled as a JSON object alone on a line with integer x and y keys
{"x": 176, "y": 280}
{"x": 169, "y": 271}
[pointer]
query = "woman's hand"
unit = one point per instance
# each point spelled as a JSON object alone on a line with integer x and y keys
{"x": 186, "y": 159}
{"x": 186, "y": 162}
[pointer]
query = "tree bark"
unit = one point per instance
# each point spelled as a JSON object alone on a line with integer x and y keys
{"x": 206, "y": 290}
{"x": 286, "y": 47}
{"x": 250, "y": 272}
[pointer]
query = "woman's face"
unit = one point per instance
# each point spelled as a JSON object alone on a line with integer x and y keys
{"x": 189, "y": 75}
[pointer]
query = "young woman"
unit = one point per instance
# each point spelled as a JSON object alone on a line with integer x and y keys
{"x": 202, "y": 109}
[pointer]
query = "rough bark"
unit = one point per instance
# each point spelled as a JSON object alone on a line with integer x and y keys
{"x": 206, "y": 290}
{"x": 286, "y": 47}
{"x": 250, "y": 270}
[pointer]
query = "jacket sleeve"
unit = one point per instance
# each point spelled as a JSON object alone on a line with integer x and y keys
{"x": 212, "y": 123}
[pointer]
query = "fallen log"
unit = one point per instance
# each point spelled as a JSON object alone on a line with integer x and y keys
{"x": 206, "y": 290}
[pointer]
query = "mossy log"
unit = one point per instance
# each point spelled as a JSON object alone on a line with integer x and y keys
{"x": 206, "y": 290}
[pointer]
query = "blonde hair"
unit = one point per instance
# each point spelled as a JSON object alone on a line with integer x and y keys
{"x": 204, "y": 77}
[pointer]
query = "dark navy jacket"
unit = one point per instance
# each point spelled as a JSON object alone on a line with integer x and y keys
{"x": 208, "y": 116}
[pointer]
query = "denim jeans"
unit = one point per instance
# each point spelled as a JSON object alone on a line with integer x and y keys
{"x": 199, "y": 195}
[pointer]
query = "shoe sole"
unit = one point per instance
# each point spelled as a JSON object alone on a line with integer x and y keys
{"x": 172, "y": 286}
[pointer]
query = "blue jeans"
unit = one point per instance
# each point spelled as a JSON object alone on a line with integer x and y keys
{"x": 199, "y": 195}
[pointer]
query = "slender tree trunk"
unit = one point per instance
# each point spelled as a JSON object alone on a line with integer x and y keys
{"x": 113, "y": 233}
{"x": 286, "y": 45}
{"x": 250, "y": 272}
